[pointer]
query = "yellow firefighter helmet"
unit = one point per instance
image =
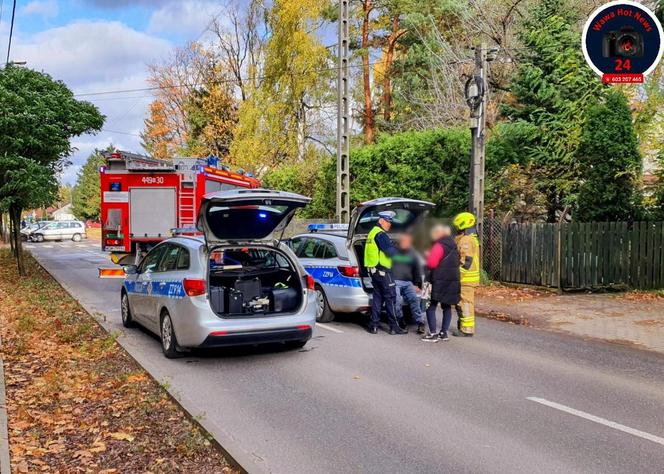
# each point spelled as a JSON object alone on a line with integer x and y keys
{"x": 464, "y": 220}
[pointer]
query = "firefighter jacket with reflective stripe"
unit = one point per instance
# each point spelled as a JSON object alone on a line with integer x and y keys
{"x": 469, "y": 246}
{"x": 373, "y": 255}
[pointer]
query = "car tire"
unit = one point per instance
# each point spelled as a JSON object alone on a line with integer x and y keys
{"x": 296, "y": 344}
{"x": 39, "y": 238}
{"x": 169, "y": 342}
{"x": 323, "y": 312}
{"x": 76, "y": 237}
{"x": 125, "y": 311}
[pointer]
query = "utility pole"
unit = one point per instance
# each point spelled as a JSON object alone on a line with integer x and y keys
{"x": 11, "y": 33}
{"x": 343, "y": 122}
{"x": 477, "y": 98}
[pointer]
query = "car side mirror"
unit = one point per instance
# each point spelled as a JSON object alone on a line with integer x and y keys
{"x": 130, "y": 269}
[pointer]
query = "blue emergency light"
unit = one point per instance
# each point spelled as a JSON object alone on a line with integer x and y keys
{"x": 327, "y": 227}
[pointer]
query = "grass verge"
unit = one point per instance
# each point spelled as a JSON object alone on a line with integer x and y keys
{"x": 76, "y": 401}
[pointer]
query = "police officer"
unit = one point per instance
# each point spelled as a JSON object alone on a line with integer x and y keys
{"x": 469, "y": 251}
{"x": 378, "y": 253}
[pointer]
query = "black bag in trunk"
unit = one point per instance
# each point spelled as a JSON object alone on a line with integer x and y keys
{"x": 250, "y": 289}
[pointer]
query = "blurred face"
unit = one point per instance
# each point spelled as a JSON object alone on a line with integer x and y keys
{"x": 386, "y": 225}
{"x": 436, "y": 233}
{"x": 406, "y": 241}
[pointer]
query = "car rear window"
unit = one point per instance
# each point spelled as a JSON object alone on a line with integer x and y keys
{"x": 245, "y": 222}
{"x": 402, "y": 221}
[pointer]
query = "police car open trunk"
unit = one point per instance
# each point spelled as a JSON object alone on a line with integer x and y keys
{"x": 249, "y": 271}
{"x": 409, "y": 212}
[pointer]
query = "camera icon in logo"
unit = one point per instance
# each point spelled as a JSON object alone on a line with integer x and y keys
{"x": 623, "y": 43}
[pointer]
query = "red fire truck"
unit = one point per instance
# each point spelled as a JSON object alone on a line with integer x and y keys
{"x": 143, "y": 199}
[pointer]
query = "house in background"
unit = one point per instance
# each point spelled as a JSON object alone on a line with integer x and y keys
{"x": 63, "y": 214}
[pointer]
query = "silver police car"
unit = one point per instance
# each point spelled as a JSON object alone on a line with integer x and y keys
{"x": 237, "y": 285}
{"x": 324, "y": 255}
{"x": 333, "y": 253}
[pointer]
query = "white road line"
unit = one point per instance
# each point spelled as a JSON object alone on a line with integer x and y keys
{"x": 329, "y": 328}
{"x": 47, "y": 246}
{"x": 597, "y": 419}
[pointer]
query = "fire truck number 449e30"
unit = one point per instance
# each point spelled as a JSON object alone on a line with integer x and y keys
{"x": 143, "y": 199}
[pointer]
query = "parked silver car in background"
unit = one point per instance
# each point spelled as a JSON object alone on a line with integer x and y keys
{"x": 30, "y": 229}
{"x": 239, "y": 285}
{"x": 60, "y": 230}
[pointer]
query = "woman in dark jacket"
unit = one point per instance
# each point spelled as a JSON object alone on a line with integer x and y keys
{"x": 443, "y": 270}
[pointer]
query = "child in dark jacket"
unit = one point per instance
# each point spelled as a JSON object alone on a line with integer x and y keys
{"x": 443, "y": 274}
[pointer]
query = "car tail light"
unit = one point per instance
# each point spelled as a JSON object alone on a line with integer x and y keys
{"x": 218, "y": 333}
{"x": 303, "y": 327}
{"x": 349, "y": 271}
{"x": 310, "y": 282}
{"x": 194, "y": 286}
{"x": 112, "y": 242}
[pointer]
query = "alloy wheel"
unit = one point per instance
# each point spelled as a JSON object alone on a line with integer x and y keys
{"x": 166, "y": 332}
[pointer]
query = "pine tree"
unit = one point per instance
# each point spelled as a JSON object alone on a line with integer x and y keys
{"x": 552, "y": 89}
{"x": 611, "y": 163}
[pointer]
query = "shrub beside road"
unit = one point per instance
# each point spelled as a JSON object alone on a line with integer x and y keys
{"x": 75, "y": 398}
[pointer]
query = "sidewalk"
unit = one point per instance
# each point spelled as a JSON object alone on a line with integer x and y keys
{"x": 635, "y": 319}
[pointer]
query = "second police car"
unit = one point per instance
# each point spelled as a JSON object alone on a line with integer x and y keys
{"x": 333, "y": 254}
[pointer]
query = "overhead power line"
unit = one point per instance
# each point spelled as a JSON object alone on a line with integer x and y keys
{"x": 218, "y": 81}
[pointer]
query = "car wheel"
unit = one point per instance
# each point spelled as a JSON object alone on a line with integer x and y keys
{"x": 39, "y": 238}
{"x": 169, "y": 342}
{"x": 127, "y": 319}
{"x": 76, "y": 237}
{"x": 323, "y": 312}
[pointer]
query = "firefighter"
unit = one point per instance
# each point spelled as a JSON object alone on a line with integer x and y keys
{"x": 469, "y": 251}
{"x": 378, "y": 253}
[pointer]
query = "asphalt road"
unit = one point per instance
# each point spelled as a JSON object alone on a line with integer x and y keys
{"x": 512, "y": 399}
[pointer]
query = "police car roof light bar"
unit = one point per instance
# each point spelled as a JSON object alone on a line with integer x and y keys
{"x": 327, "y": 227}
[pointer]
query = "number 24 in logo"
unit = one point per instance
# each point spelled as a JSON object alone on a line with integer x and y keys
{"x": 623, "y": 65}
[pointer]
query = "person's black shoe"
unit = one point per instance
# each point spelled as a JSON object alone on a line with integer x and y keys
{"x": 457, "y": 333}
{"x": 430, "y": 338}
{"x": 420, "y": 329}
{"x": 443, "y": 336}
{"x": 398, "y": 330}
{"x": 402, "y": 324}
{"x": 372, "y": 330}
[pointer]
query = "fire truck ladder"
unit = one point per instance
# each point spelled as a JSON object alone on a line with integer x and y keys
{"x": 187, "y": 206}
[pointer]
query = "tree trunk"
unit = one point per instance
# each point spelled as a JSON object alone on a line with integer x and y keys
{"x": 367, "y": 6}
{"x": 15, "y": 216}
{"x": 3, "y": 235}
{"x": 387, "y": 73}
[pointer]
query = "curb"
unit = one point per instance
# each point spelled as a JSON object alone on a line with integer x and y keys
{"x": 5, "y": 467}
{"x": 241, "y": 460}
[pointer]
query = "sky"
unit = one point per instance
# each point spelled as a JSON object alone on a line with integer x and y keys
{"x": 104, "y": 45}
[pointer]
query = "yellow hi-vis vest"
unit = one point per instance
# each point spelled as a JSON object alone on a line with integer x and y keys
{"x": 469, "y": 246}
{"x": 373, "y": 256}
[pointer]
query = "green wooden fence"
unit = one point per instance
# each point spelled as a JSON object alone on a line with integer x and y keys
{"x": 577, "y": 255}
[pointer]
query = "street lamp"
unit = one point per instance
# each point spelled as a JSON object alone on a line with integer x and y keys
{"x": 16, "y": 63}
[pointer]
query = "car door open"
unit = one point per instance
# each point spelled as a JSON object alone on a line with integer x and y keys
{"x": 249, "y": 273}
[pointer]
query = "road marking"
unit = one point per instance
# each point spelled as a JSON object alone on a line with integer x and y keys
{"x": 47, "y": 246}
{"x": 597, "y": 419}
{"x": 329, "y": 328}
